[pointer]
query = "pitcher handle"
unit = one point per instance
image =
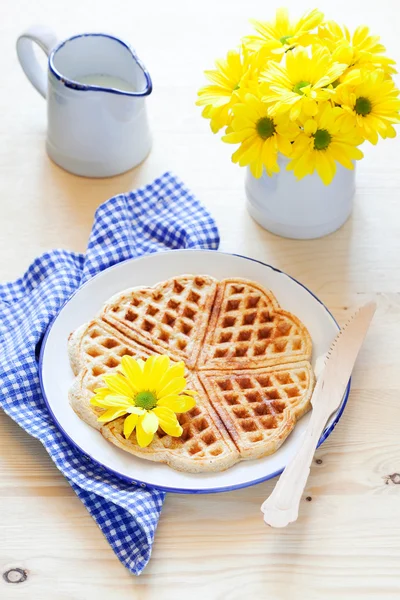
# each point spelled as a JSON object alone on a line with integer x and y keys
{"x": 46, "y": 39}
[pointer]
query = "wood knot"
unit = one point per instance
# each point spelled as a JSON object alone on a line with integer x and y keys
{"x": 319, "y": 461}
{"x": 308, "y": 498}
{"x": 15, "y": 575}
{"x": 393, "y": 479}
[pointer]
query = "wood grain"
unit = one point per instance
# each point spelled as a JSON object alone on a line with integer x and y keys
{"x": 346, "y": 543}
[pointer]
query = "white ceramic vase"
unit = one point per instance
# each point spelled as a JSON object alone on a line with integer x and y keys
{"x": 300, "y": 209}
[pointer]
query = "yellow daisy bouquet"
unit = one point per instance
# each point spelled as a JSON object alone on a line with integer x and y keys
{"x": 308, "y": 90}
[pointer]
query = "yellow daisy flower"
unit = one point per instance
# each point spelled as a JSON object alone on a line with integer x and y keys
{"x": 219, "y": 97}
{"x": 370, "y": 103}
{"x": 282, "y": 33}
{"x": 297, "y": 86}
{"x": 260, "y": 136}
{"x": 148, "y": 393}
{"x": 358, "y": 50}
{"x": 322, "y": 142}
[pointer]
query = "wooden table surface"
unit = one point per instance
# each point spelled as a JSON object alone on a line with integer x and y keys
{"x": 346, "y": 542}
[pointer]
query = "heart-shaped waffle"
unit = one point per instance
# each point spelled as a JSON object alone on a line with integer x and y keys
{"x": 259, "y": 408}
{"x": 248, "y": 329}
{"x": 95, "y": 350}
{"x": 246, "y": 357}
{"x": 203, "y": 446}
{"x": 171, "y": 317}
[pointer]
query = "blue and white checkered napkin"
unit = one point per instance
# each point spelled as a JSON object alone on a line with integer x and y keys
{"x": 160, "y": 216}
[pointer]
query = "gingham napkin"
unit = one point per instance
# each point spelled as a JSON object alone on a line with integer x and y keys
{"x": 160, "y": 216}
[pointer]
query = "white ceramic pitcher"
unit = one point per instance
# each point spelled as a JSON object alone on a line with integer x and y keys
{"x": 95, "y": 88}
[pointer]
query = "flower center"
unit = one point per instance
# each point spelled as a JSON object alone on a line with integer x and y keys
{"x": 363, "y": 106}
{"x": 146, "y": 400}
{"x": 299, "y": 87}
{"x": 284, "y": 39}
{"x": 265, "y": 127}
{"x": 322, "y": 139}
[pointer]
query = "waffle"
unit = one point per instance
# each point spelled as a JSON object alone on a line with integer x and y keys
{"x": 259, "y": 408}
{"x": 246, "y": 357}
{"x": 171, "y": 317}
{"x": 96, "y": 341}
{"x": 95, "y": 350}
{"x": 204, "y": 446}
{"x": 248, "y": 330}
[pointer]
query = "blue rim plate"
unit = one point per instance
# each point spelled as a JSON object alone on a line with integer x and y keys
{"x": 56, "y": 376}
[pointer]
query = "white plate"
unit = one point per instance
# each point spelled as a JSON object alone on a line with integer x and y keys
{"x": 56, "y": 375}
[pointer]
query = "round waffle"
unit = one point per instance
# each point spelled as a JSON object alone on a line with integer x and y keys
{"x": 246, "y": 357}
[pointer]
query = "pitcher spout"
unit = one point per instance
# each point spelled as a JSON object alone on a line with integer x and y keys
{"x": 107, "y": 65}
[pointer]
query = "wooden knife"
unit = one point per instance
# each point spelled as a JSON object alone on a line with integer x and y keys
{"x": 282, "y": 506}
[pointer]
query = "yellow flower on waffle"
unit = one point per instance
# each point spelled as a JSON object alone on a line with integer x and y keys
{"x": 148, "y": 394}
